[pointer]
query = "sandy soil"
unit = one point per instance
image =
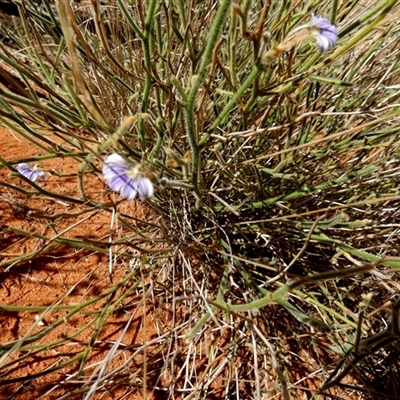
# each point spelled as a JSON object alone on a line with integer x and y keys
{"x": 60, "y": 275}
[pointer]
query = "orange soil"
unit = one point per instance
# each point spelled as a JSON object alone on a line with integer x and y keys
{"x": 49, "y": 277}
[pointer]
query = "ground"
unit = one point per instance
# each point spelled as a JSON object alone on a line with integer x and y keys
{"x": 60, "y": 275}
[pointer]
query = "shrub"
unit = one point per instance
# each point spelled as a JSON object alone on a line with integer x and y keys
{"x": 273, "y": 151}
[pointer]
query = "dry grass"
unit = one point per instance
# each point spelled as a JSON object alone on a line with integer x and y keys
{"x": 270, "y": 260}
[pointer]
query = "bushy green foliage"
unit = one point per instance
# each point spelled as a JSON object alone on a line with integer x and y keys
{"x": 274, "y": 165}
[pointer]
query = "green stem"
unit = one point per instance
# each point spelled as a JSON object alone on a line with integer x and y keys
{"x": 199, "y": 79}
{"x": 334, "y": 11}
{"x": 386, "y": 5}
{"x": 147, "y": 63}
{"x": 279, "y": 294}
{"x": 130, "y": 20}
{"x": 303, "y": 192}
{"x": 232, "y": 58}
{"x": 246, "y": 84}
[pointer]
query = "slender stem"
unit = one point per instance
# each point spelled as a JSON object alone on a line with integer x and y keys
{"x": 232, "y": 48}
{"x": 273, "y": 297}
{"x": 246, "y": 84}
{"x": 130, "y": 20}
{"x": 334, "y": 11}
{"x": 386, "y": 5}
{"x": 147, "y": 63}
{"x": 199, "y": 79}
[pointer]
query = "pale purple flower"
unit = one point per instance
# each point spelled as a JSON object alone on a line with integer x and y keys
{"x": 127, "y": 180}
{"x": 31, "y": 173}
{"x": 324, "y": 33}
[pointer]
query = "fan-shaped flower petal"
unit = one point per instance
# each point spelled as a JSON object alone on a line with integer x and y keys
{"x": 31, "y": 173}
{"x": 124, "y": 179}
{"x": 324, "y": 33}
